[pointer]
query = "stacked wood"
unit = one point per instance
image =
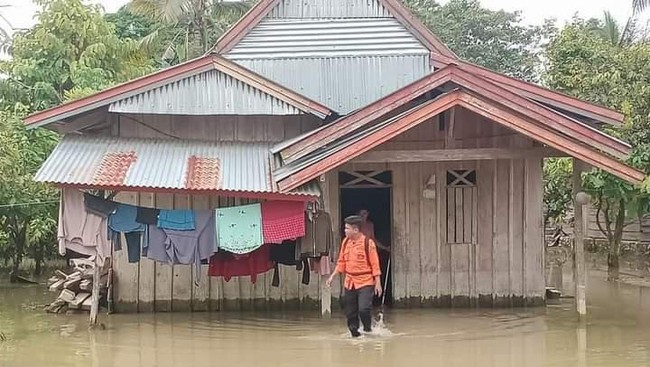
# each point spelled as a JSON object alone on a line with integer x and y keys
{"x": 75, "y": 288}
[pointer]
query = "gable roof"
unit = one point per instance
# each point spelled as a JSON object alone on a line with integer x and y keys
{"x": 536, "y": 92}
{"x": 262, "y": 8}
{"x": 116, "y": 95}
{"x": 360, "y": 140}
{"x": 457, "y": 76}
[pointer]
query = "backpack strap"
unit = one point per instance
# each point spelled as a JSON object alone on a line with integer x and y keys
{"x": 366, "y": 246}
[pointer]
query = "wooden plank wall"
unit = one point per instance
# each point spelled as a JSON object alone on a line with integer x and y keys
{"x": 150, "y": 286}
{"x": 503, "y": 267}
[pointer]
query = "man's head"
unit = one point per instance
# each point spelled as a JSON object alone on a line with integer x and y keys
{"x": 363, "y": 213}
{"x": 352, "y": 224}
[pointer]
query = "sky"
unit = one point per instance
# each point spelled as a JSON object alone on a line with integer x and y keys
{"x": 20, "y": 13}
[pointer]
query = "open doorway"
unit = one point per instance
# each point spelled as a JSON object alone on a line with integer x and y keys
{"x": 371, "y": 190}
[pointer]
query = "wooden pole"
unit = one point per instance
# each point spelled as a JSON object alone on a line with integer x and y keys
{"x": 94, "y": 307}
{"x": 579, "y": 269}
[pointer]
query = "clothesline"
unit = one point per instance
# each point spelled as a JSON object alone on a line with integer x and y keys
{"x": 28, "y": 204}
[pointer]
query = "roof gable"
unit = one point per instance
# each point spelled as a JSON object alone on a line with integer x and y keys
{"x": 364, "y": 139}
{"x": 251, "y": 94}
{"x": 323, "y": 9}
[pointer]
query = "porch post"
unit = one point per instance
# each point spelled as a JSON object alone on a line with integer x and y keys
{"x": 579, "y": 270}
{"x": 325, "y": 292}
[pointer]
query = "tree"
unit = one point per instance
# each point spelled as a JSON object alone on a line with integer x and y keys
{"x": 72, "y": 51}
{"x": 26, "y": 207}
{"x": 187, "y": 28}
{"x": 494, "y": 39}
{"x": 640, "y": 5}
{"x": 584, "y": 64}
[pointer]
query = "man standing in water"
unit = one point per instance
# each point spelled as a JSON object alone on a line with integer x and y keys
{"x": 359, "y": 261}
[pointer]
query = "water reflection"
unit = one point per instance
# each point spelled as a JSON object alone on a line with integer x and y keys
{"x": 615, "y": 334}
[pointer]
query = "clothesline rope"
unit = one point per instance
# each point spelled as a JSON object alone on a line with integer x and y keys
{"x": 28, "y": 204}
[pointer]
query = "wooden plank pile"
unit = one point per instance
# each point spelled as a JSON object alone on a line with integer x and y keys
{"x": 75, "y": 288}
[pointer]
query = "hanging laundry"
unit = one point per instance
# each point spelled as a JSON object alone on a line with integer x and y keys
{"x": 81, "y": 231}
{"x": 282, "y": 220}
{"x": 100, "y": 206}
{"x": 319, "y": 237}
{"x": 123, "y": 221}
{"x": 182, "y": 246}
{"x": 285, "y": 254}
{"x": 179, "y": 220}
{"x": 321, "y": 266}
{"x": 147, "y": 215}
{"x": 226, "y": 265}
{"x": 239, "y": 228}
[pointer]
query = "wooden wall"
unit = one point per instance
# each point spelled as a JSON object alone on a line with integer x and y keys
{"x": 505, "y": 265}
{"x": 150, "y": 286}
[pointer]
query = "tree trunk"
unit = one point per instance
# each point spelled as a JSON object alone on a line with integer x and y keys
{"x": 18, "y": 235}
{"x": 38, "y": 260}
{"x": 614, "y": 251}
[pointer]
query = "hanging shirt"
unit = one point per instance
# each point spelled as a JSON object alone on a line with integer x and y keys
{"x": 282, "y": 220}
{"x": 318, "y": 238}
{"x": 147, "y": 215}
{"x": 81, "y": 231}
{"x": 179, "y": 220}
{"x": 239, "y": 228}
{"x": 358, "y": 268}
{"x": 226, "y": 265}
{"x": 100, "y": 206}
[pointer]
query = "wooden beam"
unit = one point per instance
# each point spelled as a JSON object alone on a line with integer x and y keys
{"x": 579, "y": 269}
{"x": 450, "y": 155}
{"x": 451, "y": 126}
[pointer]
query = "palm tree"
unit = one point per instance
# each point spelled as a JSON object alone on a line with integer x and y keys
{"x": 5, "y": 35}
{"x": 194, "y": 24}
{"x": 614, "y": 34}
{"x": 640, "y": 5}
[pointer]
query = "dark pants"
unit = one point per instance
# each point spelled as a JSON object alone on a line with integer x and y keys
{"x": 358, "y": 304}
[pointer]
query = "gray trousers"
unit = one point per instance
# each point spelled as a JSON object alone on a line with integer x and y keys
{"x": 357, "y": 305}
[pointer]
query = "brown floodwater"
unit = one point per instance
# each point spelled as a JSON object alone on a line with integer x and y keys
{"x": 617, "y": 333}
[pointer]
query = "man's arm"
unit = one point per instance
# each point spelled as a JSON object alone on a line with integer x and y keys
{"x": 340, "y": 267}
{"x": 374, "y": 265}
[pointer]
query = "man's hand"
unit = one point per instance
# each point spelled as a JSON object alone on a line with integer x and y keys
{"x": 378, "y": 289}
{"x": 328, "y": 282}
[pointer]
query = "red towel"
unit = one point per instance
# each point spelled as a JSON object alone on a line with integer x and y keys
{"x": 226, "y": 265}
{"x": 282, "y": 220}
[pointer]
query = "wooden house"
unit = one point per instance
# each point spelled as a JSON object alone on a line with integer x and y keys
{"x": 354, "y": 103}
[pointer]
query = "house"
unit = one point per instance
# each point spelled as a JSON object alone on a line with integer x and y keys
{"x": 354, "y": 104}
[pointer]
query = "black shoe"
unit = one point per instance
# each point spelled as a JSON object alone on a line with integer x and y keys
{"x": 355, "y": 333}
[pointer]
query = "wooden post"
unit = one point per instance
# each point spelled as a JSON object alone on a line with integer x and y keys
{"x": 94, "y": 307}
{"x": 326, "y": 292}
{"x": 579, "y": 269}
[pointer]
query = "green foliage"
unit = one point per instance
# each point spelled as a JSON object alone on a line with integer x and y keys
{"x": 494, "y": 39}
{"x": 27, "y": 208}
{"x": 583, "y": 63}
{"x": 557, "y": 189}
{"x": 71, "y": 51}
{"x": 185, "y": 29}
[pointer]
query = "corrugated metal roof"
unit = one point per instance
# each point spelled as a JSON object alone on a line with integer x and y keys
{"x": 295, "y": 38}
{"x": 164, "y": 164}
{"x": 345, "y": 141}
{"x": 329, "y": 9}
{"x": 346, "y": 83}
{"x": 207, "y": 93}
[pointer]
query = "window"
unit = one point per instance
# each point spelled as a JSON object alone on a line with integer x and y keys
{"x": 462, "y": 207}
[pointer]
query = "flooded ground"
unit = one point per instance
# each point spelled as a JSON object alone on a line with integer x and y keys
{"x": 616, "y": 334}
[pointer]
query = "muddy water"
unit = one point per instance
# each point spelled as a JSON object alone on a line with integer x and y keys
{"x": 617, "y": 334}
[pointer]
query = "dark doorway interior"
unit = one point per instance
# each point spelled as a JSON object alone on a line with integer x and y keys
{"x": 377, "y": 200}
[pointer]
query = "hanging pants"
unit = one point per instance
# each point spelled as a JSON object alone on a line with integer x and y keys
{"x": 357, "y": 305}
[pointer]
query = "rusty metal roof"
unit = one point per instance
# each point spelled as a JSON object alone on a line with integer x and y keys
{"x": 160, "y": 164}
